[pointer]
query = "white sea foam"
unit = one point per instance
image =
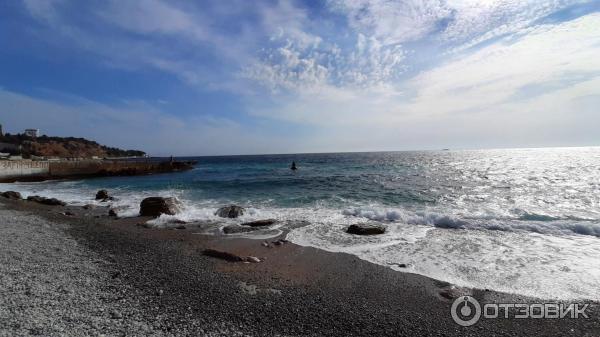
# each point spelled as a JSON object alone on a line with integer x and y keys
{"x": 533, "y": 223}
{"x": 512, "y": 250}
{"x": 532, "y": 264}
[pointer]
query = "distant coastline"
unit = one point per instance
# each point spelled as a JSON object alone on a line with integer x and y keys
{"x": 31, "y": 145}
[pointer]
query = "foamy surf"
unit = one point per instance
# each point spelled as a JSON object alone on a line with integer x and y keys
{"x": 530, "y": 264}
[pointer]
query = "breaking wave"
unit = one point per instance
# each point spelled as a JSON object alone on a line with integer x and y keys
{"x": 530, "y": 222}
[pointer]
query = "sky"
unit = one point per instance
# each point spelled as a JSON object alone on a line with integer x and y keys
{"x": 218, "y": 77}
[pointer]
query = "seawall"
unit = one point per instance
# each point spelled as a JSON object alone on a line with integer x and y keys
{"x": 23, "y": 170}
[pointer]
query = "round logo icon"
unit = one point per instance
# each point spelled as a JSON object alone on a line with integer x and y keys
{"x": 465, "y": 311}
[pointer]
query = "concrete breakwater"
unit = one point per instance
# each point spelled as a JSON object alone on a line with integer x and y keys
{"x": 22, "y": 170}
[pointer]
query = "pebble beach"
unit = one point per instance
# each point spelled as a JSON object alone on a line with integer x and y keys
{"x": 68, "y": 271}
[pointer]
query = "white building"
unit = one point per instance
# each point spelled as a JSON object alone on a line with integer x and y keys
{"x": 34, "y": 133}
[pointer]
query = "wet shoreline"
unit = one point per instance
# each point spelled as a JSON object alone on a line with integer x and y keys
{"x": 295, "y": 290}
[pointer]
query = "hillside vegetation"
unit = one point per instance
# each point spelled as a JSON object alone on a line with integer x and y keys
{"x": 63, "y": 147}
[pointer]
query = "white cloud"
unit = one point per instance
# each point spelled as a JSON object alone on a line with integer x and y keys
{"x": 154, "y": 16}
{"x": 296, "y": 66}
{"x": 454, "y": 21}
{"x": 483, "y": 97}
{"x": 393, "y": 21}
{"x": 43, "y": 9}
{"x": 492, "y": 75}
{"x": 475, "y": 21}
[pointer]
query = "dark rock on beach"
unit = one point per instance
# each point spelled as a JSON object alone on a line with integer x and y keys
{"x": 112, "y": 212}
{"x": 11, "y": 195}
{"x": 280, "y": 242}
{"x": 234, "y": 229}
{"x": 232, "y": 211}
{"x": 155, "y": 206}
{"x": 46, "y": 201}
{"x": 451, "y": 292}
{"x": 365, "y": 229}
{"x": 222, "y": 255}
{"x": 102, "y": 195}
{"x": 230, "y": 257}
{"x": 260, "y": 223}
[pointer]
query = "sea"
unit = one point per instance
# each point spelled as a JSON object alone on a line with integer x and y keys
{"x": 522, "y": 221}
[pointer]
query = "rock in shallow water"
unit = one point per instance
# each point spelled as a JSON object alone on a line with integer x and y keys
{"x": 365, "y": 229}
{"x": 260, "y": 223}
{"x": 232, "y": 211}
{"x": 46, "y": 201}
{"x": 11, "y": 195}
{"x": 155, "y": 206}
{"x": 452, "y": 292}
{"x": 102, "y": 195}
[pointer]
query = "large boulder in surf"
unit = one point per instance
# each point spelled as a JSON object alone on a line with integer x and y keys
{"x": 366, "y": 229}
{"x": 102, "y": 195}
{"x": 231, "y": 211}
{"x": 46, "y": 201}
{"x": 155, "y": 206}
{"x": 260, "y": 223}
{"x": 11, "y": 195}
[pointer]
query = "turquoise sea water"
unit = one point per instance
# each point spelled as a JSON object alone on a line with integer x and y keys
{"x": 519, "y": 220}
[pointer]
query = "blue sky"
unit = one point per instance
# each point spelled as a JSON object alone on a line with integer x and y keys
{"x": 281, "y": 76}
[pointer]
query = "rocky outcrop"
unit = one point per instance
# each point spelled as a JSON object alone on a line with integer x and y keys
{"x": 66, "y": 147}
{"x": 232, "y": 211}
{"x": 260, "y": 223}
{"x": 366, "y": 229}
{"x": 102, "y": 195}
{"x": 11, "y": 195}
{"x": 46, "y": 201}
{"x": 155, "y": 206}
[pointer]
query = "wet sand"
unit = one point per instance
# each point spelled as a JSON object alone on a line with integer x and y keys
{"x": 161, "y": 281}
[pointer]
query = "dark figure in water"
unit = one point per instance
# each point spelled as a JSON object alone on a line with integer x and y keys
{"x": 294, "y": 168}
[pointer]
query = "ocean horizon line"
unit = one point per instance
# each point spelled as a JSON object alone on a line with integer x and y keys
{"x": 381, "y": 151}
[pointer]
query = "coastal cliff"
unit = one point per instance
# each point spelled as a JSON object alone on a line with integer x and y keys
{"x": 60, "y": 147}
